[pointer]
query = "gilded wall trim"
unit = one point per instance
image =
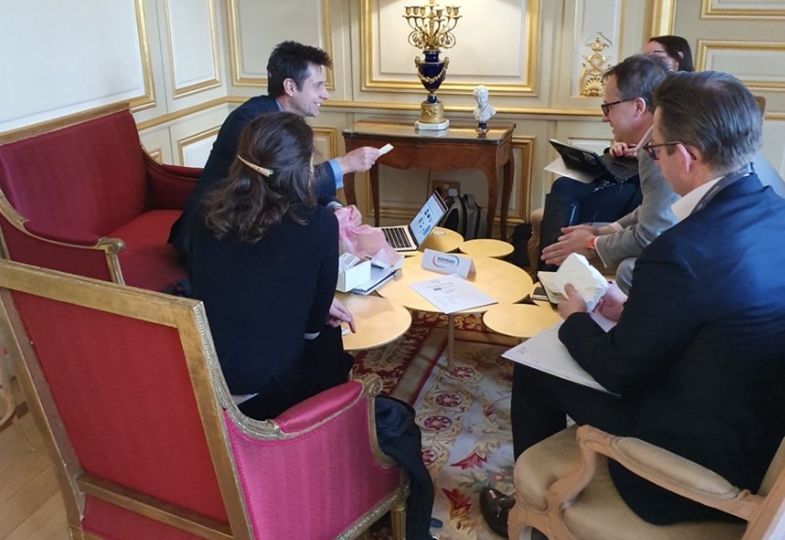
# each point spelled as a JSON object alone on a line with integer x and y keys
{"x": 147, "y": 100}
{"x": 705, "y": 46}
{"x": 371, "y": 84}
{"x": 663, "y": 17}
{"x": 710, "y": 11}
{"x": 331, "y": 134}
{"x": 155, "y": 153}
{"x": 524, "y": 165}
{"x": 415, "y": 107}
{"x": 215, "y": 81}
{"x": 233, "y": 29}
{"x": 191, "y": 139}
{"x": 182, "y": 113}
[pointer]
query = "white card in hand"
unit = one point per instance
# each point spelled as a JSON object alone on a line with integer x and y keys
{"x": 384, "y": 149}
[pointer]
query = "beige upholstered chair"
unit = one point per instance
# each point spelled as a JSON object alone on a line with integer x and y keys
{"x": 562, "y": 488}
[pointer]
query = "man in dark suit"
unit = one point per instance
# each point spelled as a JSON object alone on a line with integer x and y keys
{"x": 295, "y": 83}
{"x": 698, "y": 354}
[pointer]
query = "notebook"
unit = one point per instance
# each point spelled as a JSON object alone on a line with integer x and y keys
{"x": 586, "y": 161}
{"x": 409, "y": 237}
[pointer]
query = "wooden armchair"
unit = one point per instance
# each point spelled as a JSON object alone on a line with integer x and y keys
{"x": 125, "y": 386}
{"x": 563, "y": 488}
{"x": 81, "y": 195}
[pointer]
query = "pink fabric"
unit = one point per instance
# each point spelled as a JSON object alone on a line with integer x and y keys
{"x": 148, "y": 261}
{"x": 318, "y": 408}
{"x": 363, "y": 240}
{"x": 123, "y": 391}
{"x": 114, "y": 523}
{"x": 317, "y": 484}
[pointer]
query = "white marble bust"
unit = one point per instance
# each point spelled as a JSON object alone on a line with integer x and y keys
{"x": 484, "y": 111}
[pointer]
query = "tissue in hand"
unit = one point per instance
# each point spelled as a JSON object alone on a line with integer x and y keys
{"x": 586, "y": 279}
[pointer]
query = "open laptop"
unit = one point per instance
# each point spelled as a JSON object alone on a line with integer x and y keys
{"x": 621, "y": 169}
{"x": 409, "y": 237}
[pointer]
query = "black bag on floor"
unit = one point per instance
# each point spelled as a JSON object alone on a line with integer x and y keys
{"x": 465, "y": 217}
{"x": 520, "y": 243}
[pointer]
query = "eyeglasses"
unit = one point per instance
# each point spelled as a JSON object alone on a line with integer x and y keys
{"x": 651, "y": 149}
{"x": 606, "y": 107}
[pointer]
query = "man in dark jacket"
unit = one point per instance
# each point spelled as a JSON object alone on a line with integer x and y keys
{"x": 697, "y": 357}
{"x": 296, "y": 75}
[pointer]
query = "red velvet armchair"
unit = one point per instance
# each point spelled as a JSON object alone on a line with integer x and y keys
{"x": 126, "y": 388}
{"x": 82, "y": 196}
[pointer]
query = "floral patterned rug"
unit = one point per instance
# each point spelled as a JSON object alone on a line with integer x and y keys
{"x": 464, "y": 414}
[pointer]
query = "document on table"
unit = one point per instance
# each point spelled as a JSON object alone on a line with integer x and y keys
{"x": 545, "y": 352}
{"x": 451, "y": 293}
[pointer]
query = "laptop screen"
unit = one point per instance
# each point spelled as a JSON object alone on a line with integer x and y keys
{"x": 427, "y": 218}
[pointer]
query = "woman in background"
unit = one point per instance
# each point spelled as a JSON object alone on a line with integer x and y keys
{"x": 675, "y": 51}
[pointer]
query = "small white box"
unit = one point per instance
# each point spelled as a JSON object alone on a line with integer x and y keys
{"x": 352, "y": 277}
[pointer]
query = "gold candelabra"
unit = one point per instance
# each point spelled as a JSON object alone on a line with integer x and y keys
{"x": 432, "y": 25}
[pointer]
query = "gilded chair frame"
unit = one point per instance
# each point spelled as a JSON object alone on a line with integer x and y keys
{"x": 189, "y": 318}
{"x": 210, "y": 391}
{"x": 660, "y": 467}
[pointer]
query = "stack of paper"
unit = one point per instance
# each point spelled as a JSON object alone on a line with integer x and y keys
{"x": 545, "y": 352}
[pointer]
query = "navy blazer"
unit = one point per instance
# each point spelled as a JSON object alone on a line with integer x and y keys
{"x": 221, "y": 157}
{"x": 698, "y": 355}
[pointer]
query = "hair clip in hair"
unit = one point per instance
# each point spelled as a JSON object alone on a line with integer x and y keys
{"x": 261, "y": 170}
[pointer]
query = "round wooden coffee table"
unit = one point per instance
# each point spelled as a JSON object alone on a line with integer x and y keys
{"x": 377, "y": 320}
{"x": 487, "y": 247}
{"x": 442, "y": 239}
{"x": 521, "y": 321}
{"x": 502, "y": 281}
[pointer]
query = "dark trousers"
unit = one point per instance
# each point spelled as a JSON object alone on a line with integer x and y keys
{"x": 571, "y": 202}
{"x": 539, "y": 404}
{"x": 324, "y": 364}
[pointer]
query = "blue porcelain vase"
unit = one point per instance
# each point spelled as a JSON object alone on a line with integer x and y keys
{"x": 432, "y": 72}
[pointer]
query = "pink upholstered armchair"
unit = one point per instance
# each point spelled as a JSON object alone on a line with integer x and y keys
{"x": 127, "y": 390}
{"x": 82, "y": 196}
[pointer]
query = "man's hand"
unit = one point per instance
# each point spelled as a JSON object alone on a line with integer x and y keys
{"x": 583, "y": 227}
{"x": 573, "y": 304}
{"x": 620, "y": 149}
{"x": 574, "y": 241}
{"x": 611, "y": 304}
{"x": 359, "y": 159}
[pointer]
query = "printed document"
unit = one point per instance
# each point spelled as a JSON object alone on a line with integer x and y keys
{"x": 451, "y": 293}
{"x": 546, "y": 353}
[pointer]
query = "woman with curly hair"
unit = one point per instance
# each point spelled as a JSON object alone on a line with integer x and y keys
{"x": 265, "y": 262}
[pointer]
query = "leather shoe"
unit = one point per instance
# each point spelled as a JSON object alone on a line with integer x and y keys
{"x": 495, "y": 506}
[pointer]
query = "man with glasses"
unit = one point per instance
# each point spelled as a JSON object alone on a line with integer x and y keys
{"x": 627, "y": 107}
{"x": 697, "y": 358}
